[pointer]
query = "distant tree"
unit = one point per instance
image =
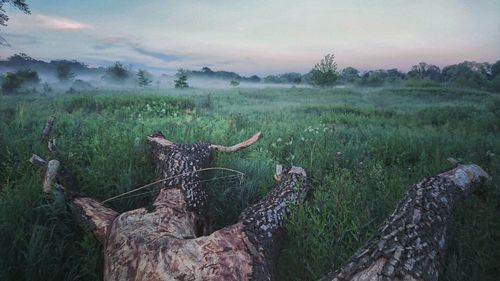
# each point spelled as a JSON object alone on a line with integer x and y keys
{"x": 64, "y": 73}
{"x": 251, "y": 79}
{"x": 424, "y": 70}
{"x": 11, "y": 84}
{"x": 181, "y": 82}
{"x": 234, "y": 83}
{"x": 291, "y": 77}
{"x": 272, "y": 79}
{"x": 394, "y": 74}
{"x": 143, "y": 78}
{"x": 324, "y": 73}
{"x": 374, "y": 78}
{"x": 79, "y": 86}
{"x": 468, "y": 74}
{"x": 206, "y": 70}
{"x": 495, "y": 69}
{"x": 350, "y": 74}
{"x": 117, "y": 73}
{"x": 30, "y": 77}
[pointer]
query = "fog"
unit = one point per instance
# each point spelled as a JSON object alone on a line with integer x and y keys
{"x": 88, "y": 82}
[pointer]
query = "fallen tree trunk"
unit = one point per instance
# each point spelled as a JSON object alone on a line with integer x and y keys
{"x": 410, "y": 245}
{"x": 169, "y": 241}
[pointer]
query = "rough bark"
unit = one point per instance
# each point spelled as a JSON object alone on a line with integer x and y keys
{"x": 410, "y": 245}
{"x": 168, "y": 241}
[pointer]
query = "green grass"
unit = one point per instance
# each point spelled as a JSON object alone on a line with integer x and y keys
{"x": 361, "y": 149}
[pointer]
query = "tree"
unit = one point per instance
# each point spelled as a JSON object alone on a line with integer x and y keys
{"x": 29, "y": 76}
{"x": 207, "y": 70}
{"x": 11, "y": 84}
{"x": 424, "y": 70}
{"x": 181, "y": 82}
{"x": 18, "y": 4}
{"x": 324, "y": 73}
{"x": 468, "y": 74}
{"x": 143, "y": 78}
{"x": 495, "y": 69}
{"x": 350, "y": 74}
{"x": 64, "y": 73}
{"x": 14, "y": 82}
{"x": 234, "y": 83}
{"x": 117, "y": 73}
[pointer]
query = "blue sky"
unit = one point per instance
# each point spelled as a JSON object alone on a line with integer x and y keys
{"x": 257, "y": 37}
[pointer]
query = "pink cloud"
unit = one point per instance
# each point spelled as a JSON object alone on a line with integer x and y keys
{"x": 50, "y": 22}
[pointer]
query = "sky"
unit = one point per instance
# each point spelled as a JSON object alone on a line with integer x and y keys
{"x": 256, "y": 37}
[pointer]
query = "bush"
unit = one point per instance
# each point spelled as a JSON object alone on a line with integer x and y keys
{"x": 324, "y": 73}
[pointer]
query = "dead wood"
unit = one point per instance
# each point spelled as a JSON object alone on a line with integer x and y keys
{"x": 410, "y": 245}
{"x": 169, "y": 241}
{"x": 48, "y": 127}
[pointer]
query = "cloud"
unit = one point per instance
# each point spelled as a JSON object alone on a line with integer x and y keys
{"x": 22, "y": 39}
{"x": 127, "y": 44}
{"x": 157, "y": 55}
{"x": 57, "y": 23}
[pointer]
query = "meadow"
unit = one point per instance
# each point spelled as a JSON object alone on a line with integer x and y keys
{"x": 361, "y": 148}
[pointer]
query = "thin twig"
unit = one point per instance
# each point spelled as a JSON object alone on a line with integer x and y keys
{"x": 162, "y": 180}
{"x": 154, "y": 190}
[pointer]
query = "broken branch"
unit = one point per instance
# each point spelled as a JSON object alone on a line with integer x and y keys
{"x": 238, "y": 146}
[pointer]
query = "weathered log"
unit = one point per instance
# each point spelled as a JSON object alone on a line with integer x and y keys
{"x": 37, "y": 161}
{"x": 410, "y": 245}
{"x": 48, "y": 127}
{"x": 168, "y": 241}
{"x": 50, "y": 175}
{"x": 159, "y": 244}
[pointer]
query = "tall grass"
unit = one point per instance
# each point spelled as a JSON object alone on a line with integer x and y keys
{"x": 361, "y": 149}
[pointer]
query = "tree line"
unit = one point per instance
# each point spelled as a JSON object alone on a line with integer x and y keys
{"x": 23, "y": 75}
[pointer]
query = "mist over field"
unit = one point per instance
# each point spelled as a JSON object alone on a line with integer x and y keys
{"x": 259, "y": 140}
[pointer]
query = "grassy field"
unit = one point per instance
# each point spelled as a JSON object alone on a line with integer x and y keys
{"x": 361, "y": 148}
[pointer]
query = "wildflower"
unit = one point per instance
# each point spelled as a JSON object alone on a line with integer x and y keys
{"x": 278, "y": 140}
